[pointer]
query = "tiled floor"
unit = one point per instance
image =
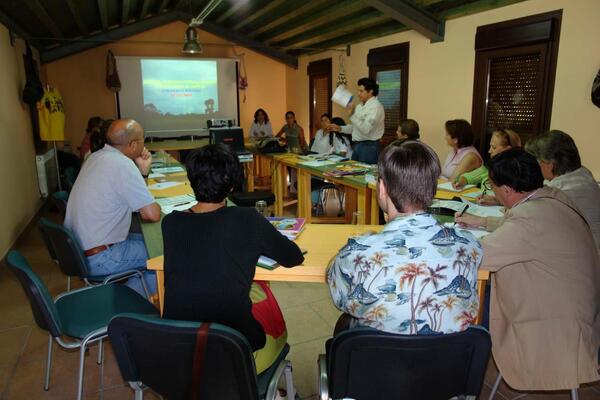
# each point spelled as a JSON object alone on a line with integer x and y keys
{"x": 309, "y": 314}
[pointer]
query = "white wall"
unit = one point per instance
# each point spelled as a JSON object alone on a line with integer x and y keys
{"x": 19, "y": 193}
{"x": 441, "y": 74}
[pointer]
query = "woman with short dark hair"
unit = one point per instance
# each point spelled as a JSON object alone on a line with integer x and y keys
{"x": 211, "y": 253}
{"x": 261, "y": 126}
{"x": 561, "y": 166}
{"x": 463, "y": 157}
{"x": 294, "y": 134}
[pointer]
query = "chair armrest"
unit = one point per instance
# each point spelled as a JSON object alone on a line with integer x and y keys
{"x": 323, "y": 382}
{"x": 119, "y": 276}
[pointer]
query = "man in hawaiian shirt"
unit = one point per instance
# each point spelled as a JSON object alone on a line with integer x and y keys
{"x": 417, "y": 276}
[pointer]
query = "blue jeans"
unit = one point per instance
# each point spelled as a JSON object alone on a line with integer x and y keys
{"x": 366, "y": 151}
{"x": 128, "y": 254}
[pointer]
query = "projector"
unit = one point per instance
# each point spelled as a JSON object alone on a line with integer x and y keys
{"x": 219, "y": 123}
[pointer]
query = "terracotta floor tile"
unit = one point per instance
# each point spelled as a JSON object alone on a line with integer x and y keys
{"x": 13, "y": 342}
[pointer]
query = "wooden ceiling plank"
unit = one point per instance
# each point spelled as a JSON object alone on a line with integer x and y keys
{"x": 413, "y": 17}
{"x": 381, "y": 30}
{"x": 338, "y": 10}
{"x": 145, "y": 8}
{"x": 102, "y": 38}
{"x": 77, "y": 17}
{"x": 341, "y": 27}
{"x": 282, "y": 17}
{"x": 40, "y": 12}
{"x": 259, "y": 13}
{"x": 125, "y": 11}
{"x": 232, "y": 10}
{"x": 245, "y": 41}
{"x": 103, "y": 12}
{"x": 474, "y": 7}
{"x": 163, "y": 5}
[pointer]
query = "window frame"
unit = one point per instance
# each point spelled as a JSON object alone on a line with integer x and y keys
{"x": 525, "y": 35}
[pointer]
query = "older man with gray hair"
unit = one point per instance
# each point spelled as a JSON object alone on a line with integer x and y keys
{"x": 108, "y": 189}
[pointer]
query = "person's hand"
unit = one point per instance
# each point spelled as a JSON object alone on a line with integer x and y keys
{"x": 487, "y": 200}
{"x": 469, "y": 220}
{"x": 351, "y": 107}
{"x": 459, "y": 184}
{"x": 334, "y": 128}
{"x": 144, "y": 161}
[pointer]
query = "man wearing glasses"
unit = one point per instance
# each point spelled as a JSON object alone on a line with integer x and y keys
{"x": 109, "y": 187}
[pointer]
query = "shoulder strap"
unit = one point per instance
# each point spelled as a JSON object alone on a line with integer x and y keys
{"x": 198, "y": 363}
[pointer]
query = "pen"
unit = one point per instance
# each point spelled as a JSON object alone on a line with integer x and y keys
{"x": 182, "y": 204}
{"x": 463, "y": 210}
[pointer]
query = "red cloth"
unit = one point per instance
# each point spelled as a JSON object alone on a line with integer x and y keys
{"x": 268, "y": 314}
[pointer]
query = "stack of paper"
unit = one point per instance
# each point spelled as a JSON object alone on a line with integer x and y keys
{"x": 176, "y": 203}
{"x": 167, "y": 170}
{"x": 475, "y": 209}
{"x": 447, "y": 186}
{"x": 163, "y": 185}
{"x": 290, "y": 227}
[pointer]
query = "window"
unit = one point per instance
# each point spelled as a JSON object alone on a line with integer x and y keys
{"x": 389, "y": 67}
{"x": 515, "y": 66}
{"x": 319, "y": 76}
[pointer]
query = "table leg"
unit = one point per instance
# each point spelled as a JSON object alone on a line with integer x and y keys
{"x": 481, "y": 284}
{"x": 278, "y": 187}
{"x": 361, "y": 206}
{"x": 304, "y": 200}
{"x": 249, "y": 167}
{"x": 160, "y": 284}
{"x": 374, "y": 207}
{"x": 351, "y": 199}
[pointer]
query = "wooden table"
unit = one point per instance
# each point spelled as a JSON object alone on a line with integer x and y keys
{"x": 322, "y": 242}
{"x": 176, "y": 145}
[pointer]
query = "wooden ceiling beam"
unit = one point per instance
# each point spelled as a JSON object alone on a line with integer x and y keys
{"x": 102, "y": 38}
{"x": 103, "y": 12}
{"x": 381, "y": 30}
{"x": 269, "y": 8}
{"x": 15, "y": 27}
{"x": 347, "y": 25}
{"x": 282, "y": 17}
{"x": 232, "y": 10}
{"x": 337, "y": 11}
{"x": 245, "y": 41}
{"x": 77, "y": 17}
{"x": 145, "y": 8}
{"x": 125, "y": 11}
{"x": 40, "y": 12}
{"x": 163, "y": 5}
{"x": 413, "y": 17}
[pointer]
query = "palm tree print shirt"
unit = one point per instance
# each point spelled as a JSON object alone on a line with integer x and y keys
{"x": 415, "y": 277}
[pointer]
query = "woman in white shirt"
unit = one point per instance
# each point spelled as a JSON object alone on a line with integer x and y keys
{"x": 261, "y": 127}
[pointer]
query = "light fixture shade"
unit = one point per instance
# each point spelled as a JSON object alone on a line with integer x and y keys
{"x": 190, "y": 44}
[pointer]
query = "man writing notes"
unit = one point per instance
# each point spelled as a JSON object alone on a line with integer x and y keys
{"x": 108, "y": 189}
{"x": 367, "y": 120}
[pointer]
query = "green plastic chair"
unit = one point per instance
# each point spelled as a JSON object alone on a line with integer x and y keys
{"x": 159, "y": 354}
{"x": 81, "y": 315}
{"x": 60, "y": 200}
{"x": 70, "y": 175}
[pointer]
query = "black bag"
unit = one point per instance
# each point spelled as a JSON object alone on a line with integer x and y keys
{"x": 596, "y": 90}
{"x": 33, "y": 91}
{"x": 270, "y": 145}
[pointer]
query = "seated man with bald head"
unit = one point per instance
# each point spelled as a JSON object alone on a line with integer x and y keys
{"x": 108, "y": 189}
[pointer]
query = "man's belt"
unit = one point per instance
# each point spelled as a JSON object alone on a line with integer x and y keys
{"x": 96, "y": 250}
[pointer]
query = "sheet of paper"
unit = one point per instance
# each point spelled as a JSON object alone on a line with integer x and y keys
{"x": 478, "y": 233}
{"x": 163, "y": 185}
{"x": 155, "y": 175}
{"x": 485, "y": 211}
{"x": 342, "y": 96}
{"x": 167, "y": 170}
{"x": 317, "y": 163}
{"x": 447, "y": 186}
{"x": 472, "y": 195}
{"x": 179, "y": 203}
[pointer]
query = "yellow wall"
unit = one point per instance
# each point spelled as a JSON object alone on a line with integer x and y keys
{"x": 81, "y": 77}
{"x": 441, "y": 74}
{"x": 19, "y": 193}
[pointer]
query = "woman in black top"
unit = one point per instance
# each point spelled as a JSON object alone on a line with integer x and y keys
{"x": 211, "y": 253}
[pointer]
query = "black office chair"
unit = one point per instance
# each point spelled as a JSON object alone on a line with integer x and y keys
{"x": 159, "y": 354}
{"x": 64, "y": 247}
{"x": 249, "y": 199}
{"x": 78, "y": 318}
{"x": 369, "y": 364}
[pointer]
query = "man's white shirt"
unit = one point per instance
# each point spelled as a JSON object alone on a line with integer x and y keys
{"x": 368, "y": 121}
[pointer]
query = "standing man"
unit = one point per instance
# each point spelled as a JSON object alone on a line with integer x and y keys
{"x": 367, "y": 120}
{"x": 108, "y": 189}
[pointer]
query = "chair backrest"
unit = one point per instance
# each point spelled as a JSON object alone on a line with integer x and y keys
{"x": 160, "y": 353}
{"x": 60, "y": 201}
{"x": 70, "y": 174}
{"x": 43, "y": 307}
{"x": 66, "y": 248}
{"x": 369, "y": 364}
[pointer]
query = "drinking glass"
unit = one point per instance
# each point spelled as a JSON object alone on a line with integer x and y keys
{"x": 261, "y": 207}
{"x": 357, "y": 224}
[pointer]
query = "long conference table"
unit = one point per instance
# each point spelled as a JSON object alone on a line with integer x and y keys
{"x": 321, "y": 241}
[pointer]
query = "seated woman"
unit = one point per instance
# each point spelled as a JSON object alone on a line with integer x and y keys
{"x": 293, "y": 133}
{"x": 261, "y": 127}
{"x": 211, "y": 253}
{"x": 94, "y": 125}
{"x": 463, "y": 157}
{"x": 561, "y": 166}
{"x": 502, "y": 140}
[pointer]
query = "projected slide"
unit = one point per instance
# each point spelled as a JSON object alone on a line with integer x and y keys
{"x": 176, "y": 91}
